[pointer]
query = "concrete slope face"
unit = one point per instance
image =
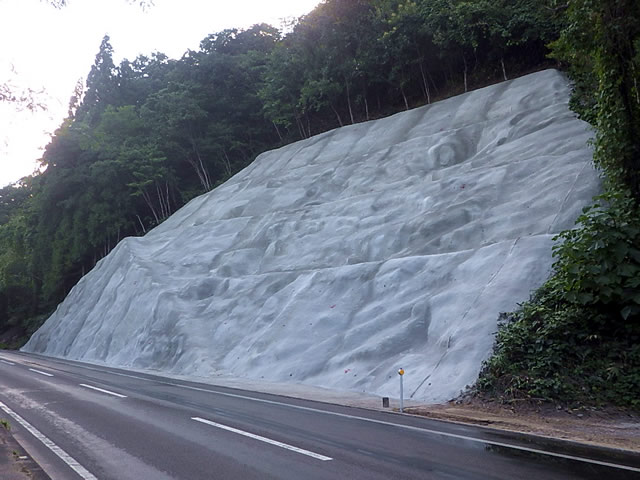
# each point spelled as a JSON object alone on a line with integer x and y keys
{"x": 336, "y": 260}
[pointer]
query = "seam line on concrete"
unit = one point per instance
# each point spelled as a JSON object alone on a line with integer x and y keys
{"x": 264, "y": 439}
{"x": 41, "y": 373}
{"x": 108, "y": 392}
{"x": 64, "y": 456}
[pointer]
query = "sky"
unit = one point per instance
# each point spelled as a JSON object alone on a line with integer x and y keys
{"x": 49, "y": 50}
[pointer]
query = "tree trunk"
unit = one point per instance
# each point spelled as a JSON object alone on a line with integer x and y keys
{"x": 404, "y": 97}
{"x": 425, "y": 84}
{"x": 504, "y": 70}
{"x": 227, "y": 162}
{"x": 366, "y": 107}
{"x": 163, "y": 213}
{"x": 349, "y": 102}
{"x": 144, "y": 230}
{"x": 435, "y": 86}
{"x": 149, "y": 203}
{"x": 300, "y": 128}
{"x": 277, "y": 131}
{"x": 337, "y": 115}
{"x": 199, "y": 173}
{"x": 167, "y": 198}
{"x": 466, "y": 87}
{"x": 198, "y": 166}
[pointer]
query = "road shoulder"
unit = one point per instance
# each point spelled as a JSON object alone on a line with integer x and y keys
{"x": 15, "y": 463}
{"x": 602, "y": 428}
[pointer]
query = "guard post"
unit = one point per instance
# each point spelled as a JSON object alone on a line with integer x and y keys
{"x": 401, "y": 373}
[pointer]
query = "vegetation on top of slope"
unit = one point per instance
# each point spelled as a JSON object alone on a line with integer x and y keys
{"x": 578, "y": 339}
{"x": 145, "y": 136}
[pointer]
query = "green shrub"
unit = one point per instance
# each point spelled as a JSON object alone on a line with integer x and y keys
{"x": 599, "y": 262}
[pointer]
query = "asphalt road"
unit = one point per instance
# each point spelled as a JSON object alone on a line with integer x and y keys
{"x": 86, "y": 421}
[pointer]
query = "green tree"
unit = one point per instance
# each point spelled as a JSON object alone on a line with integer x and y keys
{"x": 279, "y": 94}
{"x": 102, "y": 86}
{"x": 130, "y": 165}
{"x": 602, "y": 47}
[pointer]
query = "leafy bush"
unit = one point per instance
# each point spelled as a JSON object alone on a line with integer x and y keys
{"x": 577, "y": 341}
{"x": 599, "y": 262}
{"x": 547, "y": 352}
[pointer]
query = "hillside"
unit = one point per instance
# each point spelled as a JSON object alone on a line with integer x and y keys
{"x": 334, "y": 260}
{"x": 146, "y": 135}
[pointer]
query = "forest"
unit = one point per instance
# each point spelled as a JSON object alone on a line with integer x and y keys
{"x": 144, "y": 137}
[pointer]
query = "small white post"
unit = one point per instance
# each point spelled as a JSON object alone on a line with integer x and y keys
{"x": 401, "y": 373}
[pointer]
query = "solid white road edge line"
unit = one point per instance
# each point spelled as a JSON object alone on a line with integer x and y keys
{"x": 7, "y": 362}
{"x": 64, "y": 456}
{"x": 423, "y": 430}
{"x": 41, "y": 373}
{"x": 263, "y": 439}
{"x": 103, "y": 390}
{"x": 379, "y": 422}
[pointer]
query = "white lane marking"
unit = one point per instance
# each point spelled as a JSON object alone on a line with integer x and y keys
{"x": 422, "y": 430}
{"x": 41, "y": 373}
{"x": 103, "y": 390}
{"x": 64, "y": 456}
{"x": 379, "y": 422}
{"x": 264, "y": 439}
{"x": 8, "y": 363}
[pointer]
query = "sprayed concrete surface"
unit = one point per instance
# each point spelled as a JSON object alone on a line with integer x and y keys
{"x": 336, "y": 260}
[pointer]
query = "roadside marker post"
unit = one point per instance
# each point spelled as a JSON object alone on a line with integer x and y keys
{"x": 401, "y": 373}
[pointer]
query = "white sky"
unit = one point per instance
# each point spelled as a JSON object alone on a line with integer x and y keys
{"x": 43, "y": 48}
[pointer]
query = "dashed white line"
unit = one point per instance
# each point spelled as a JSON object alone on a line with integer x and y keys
{"x": 64, "y": 456}
{"x": 108, "y": 392}
{"x": 380, "y": 422}
{"x": 422, "y": 430}
{"x": 264, "y": 439}
{"x": 8, "y": 363}
{"x": 41, "y": 373}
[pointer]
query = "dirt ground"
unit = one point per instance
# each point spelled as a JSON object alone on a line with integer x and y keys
{"x": 604, "y": 427}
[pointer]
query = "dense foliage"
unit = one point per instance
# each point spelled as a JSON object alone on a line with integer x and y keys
{"x": 145, "y": 136}
{"x": 578, "y": 339}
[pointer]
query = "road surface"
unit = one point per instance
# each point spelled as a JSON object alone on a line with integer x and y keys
{"x": 88, "y": 422}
